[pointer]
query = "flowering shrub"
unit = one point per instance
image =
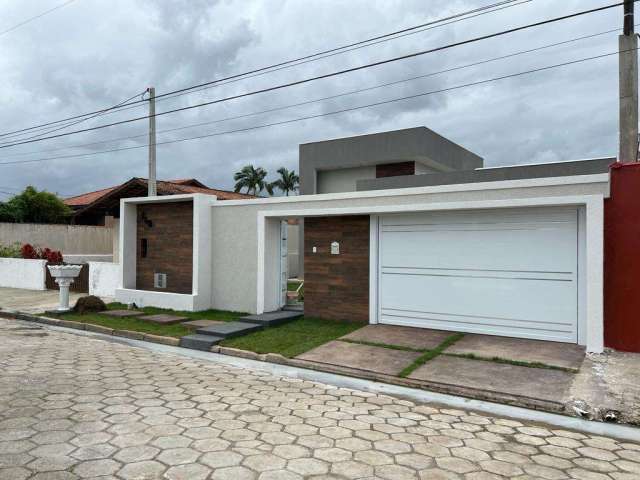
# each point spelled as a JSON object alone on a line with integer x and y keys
{"x": 30, "y": 252}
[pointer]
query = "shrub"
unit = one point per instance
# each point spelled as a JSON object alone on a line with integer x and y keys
{"x": 10, "y": 251}
{"x": 89, "y": 304}
{"x": 30, "y": 252}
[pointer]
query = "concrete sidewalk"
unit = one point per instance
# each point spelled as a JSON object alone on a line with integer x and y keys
{"x": 548, "y": 375}
{"x": 33, "y": 301}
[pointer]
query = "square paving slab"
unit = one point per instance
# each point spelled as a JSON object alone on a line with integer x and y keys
{"x": 201, "y": 323}
{"x": 364, "y": 357}
{"x": 163, "y": 319}
{"x": 541, "y": 383}
{"x": 565, "y": 355}
{"x": 418, "y": 338}
{"x": 122, "y": 313}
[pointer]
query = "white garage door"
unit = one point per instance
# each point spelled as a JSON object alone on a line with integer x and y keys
{"x": 501, "y": 272}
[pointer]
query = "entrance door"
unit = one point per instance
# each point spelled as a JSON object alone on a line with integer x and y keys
{"x": 284, "y": 263}
{"x": 510, "y": 272}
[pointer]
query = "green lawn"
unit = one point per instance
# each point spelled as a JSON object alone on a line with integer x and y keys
{"x": 294, "y": 338}
{"x": 137, "y": 325}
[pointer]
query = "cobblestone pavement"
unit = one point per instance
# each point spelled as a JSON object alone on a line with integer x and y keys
{"x": 73, "y": 407}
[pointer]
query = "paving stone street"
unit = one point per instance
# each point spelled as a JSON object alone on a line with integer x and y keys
{"x": 75, "y": 407}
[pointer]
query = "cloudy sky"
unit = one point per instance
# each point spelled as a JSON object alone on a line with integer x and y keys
{"x": 93, "y": 54}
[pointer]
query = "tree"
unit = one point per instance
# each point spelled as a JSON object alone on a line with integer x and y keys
{"x": 288, "y": 181}
{"x": 33, "y": 206}
{"x": 253, "y": 179}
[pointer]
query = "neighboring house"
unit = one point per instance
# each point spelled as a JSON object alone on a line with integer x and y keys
{"x": 95, "y": 208}
{"x": 102, "y": 207}
{"x": 513, "y": 251}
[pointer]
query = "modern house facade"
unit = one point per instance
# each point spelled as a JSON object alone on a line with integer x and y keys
{"x": 514, "y": 251}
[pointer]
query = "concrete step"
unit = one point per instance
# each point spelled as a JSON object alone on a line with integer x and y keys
{"x": 270, "y": 319}
{"x": 199, "y": 342}
{"x": 294, "y": 307}
{"x": 229, "y": 329}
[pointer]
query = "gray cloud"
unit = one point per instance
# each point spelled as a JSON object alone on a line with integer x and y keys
{"x": 96, "y": 53}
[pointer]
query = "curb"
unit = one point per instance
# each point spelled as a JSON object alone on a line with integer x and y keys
{"x": 148, "y": 337}
{"x": 275, "y": 358}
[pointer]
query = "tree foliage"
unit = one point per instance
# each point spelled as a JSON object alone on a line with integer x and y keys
{"x": 253, "y": 179}
{"x": 33, "y": 206}
{"x": 289, "y": 181}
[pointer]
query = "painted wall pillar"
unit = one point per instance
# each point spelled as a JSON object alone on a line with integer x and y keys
{"x": 622, "y": 259}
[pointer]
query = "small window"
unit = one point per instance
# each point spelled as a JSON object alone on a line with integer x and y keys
{"x": 143, "y": 248}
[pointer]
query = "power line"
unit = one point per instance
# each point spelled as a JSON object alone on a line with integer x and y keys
{"x": 79, "y": 121}
{"x": 28, "y": 20}
{"x": 327, "y": 75}
{"x": 330, "y": 97}
{"x": 325, "y": 114}
{"x": 349, "y": 46}
{"x": 467, "y": 15}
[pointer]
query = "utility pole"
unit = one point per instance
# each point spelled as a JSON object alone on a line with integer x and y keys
{"x": 151, "y": 182}
{"x": 628, "y": 77}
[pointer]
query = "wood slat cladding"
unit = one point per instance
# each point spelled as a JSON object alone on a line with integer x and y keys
{"x": 395, "y": 169}
{"x": 168, "y": 230}
{"x": 337, "y": 286}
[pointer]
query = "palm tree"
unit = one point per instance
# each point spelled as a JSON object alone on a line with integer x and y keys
{"x": 252, "y": 179}
{"x": 288, "y": 181}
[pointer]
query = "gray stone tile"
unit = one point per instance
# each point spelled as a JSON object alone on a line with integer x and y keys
{"x": 195, "y": 324}
{"x": 163, "y": 319}
{"x": 540, "y": 383}
{"x": 418, "y": 338}
{"x": 564, "y": 355}
{"x": 363, "y": 357}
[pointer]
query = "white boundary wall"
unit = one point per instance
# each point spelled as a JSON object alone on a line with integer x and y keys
{"x": 21, "y": 273}
{"x": 104, "y": 278}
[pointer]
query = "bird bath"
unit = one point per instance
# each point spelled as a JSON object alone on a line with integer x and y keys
{"x": 64, "y": 275}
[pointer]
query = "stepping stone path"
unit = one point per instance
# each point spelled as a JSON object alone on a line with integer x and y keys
{"x": 193, "y": 324}
{"x": 122, "y": 313}
{"x": 206, "y": 337}
{"x": 164, "y": 319}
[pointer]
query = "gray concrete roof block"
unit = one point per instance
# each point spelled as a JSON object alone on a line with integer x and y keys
{"x": 515, "y": 172}
{"x": 419, "y": 144}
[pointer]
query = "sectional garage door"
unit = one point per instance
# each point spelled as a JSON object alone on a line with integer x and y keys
{"x": 500, "y": 272}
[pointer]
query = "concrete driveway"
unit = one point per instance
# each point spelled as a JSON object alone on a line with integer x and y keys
{"x": 75, "y": 407}
{"x": 33, "y": 301}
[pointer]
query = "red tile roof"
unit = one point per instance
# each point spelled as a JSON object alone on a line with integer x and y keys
{"x": 165, "y": 187}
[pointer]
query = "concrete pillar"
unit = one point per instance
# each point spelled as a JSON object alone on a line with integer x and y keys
{"x": 628, "y": 72}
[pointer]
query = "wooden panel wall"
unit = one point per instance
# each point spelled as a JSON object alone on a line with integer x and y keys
{"x": 337, "y": 286}
{"x": 169, "y": 246}
{"x": 395, "y": 169}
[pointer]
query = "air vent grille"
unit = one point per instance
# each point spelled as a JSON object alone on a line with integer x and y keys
{"x": 160, "y": 280}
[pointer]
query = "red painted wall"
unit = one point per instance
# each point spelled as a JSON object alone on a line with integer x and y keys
{"x": 622, "y": 259}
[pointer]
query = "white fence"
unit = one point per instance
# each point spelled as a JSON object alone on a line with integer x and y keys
{"x": 104, "y": 278}
{"x": 21, "y": 273}
{"x": 69, "y": 239}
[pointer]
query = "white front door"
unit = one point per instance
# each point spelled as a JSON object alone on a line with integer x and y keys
{"x": 284, "y": 263}
{"x": 510, "y": 272}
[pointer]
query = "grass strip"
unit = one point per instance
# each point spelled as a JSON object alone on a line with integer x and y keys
{"x": 220, "y": 315}
{"x": 430, "y": 354}
{"x": 293, "y": 338}
{"x": 138, "y": 325}
{"x": 383, "y": 345}
{"x": 506, "y": 361}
